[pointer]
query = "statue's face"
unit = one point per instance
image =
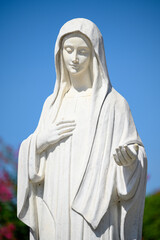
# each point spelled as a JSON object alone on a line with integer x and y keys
{"x": 76, "y": 53}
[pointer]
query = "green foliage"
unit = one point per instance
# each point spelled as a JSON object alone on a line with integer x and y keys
{"x": 10, "y": 226}
{"x": 151, "y": 220}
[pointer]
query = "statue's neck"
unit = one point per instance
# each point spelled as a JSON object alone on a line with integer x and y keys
{"x": 81, "y": 82}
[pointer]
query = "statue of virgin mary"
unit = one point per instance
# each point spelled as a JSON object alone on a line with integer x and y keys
{"x": 82, "y": 173}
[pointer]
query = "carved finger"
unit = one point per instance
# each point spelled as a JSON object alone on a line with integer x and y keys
{"x": 125, "y": 154}
{"x": 120, "y": 157}
{"x": 65, "y": 125}
{"x": 65, "y": 130}
{"x": 65, "y": 135}
{"x": 136, "y": 147}
{"x": 117, "y": 160}
{"x": 65, "y": 121}
{"x": 130, "y": 153}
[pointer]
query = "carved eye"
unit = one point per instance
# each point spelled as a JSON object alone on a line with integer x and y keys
{"x": 69, "y": 49}
{"x": 83, "y": 51}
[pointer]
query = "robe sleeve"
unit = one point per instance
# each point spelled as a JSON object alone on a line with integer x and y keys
{"x": 131, "y": 181}
{"x": 29, "y": 172}
{"x": 128, "y": 177}
{"x": 131, "y": 186}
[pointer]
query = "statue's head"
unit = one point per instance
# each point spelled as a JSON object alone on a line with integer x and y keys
{"x": 90, "y": 33}
{"x": 79, "y": 47}
{"x": 76, "y": 52}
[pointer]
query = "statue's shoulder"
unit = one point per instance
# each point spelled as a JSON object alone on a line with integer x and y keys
{"x": 49, "y": 100}
{"x": 48, "y": 103}
{"x": 118, "y": 100}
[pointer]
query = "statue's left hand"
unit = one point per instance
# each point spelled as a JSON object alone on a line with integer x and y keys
{"x": 126, "y": 155}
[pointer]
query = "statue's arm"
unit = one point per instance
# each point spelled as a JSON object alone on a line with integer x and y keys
{"x": 131, "y": 188}
{"x": 131, "y": 173}
{"x": 129, "y": 153}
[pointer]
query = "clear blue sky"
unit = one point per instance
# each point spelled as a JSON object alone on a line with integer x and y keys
{"x": 131, "y": 32}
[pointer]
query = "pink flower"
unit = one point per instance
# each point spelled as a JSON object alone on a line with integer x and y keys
{"x": 5, "y": 188}
{"x": 5, "y": 193}
{"x": 7, "y": 231}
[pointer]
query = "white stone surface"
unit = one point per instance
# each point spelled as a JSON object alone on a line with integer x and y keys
{"x": 82, "y": 173}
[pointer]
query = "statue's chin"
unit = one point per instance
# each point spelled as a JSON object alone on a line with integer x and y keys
{"x": 74, "y": 71}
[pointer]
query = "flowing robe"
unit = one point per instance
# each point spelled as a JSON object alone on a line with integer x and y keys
{"x": 108, "y": 201}
{"x": 105, "y": 201}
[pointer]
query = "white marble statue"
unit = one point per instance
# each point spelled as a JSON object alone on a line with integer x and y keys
{"x": 82, "y": 173}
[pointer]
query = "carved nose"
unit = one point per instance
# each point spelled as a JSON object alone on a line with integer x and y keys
{"x": 75, "y": 60}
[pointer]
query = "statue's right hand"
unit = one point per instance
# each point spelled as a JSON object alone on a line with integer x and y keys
{"x": 54, "y": 133}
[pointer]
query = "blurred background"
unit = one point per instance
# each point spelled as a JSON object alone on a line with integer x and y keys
{"x": 28, "y": 30}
